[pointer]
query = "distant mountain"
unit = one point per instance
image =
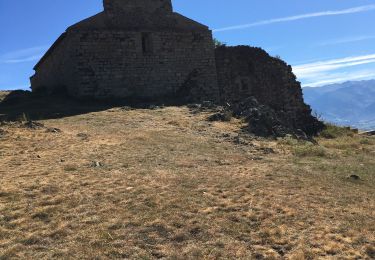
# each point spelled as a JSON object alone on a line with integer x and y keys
{"x": 351, "y": 103}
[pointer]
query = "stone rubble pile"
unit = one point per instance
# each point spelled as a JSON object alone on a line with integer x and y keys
{"x": 264, "y": 121}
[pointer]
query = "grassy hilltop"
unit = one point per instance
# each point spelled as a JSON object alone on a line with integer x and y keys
{"x": 166, "y": 183}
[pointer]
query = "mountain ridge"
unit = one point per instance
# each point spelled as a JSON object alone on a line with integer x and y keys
{"x": 350, "y": 103}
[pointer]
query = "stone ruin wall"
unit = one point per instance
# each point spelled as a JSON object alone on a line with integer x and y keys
{"x": 112, "y": 64}
{"x": 244, "y": 71}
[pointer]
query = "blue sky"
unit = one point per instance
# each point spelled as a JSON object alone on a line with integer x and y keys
{"x": 326, "y": 41}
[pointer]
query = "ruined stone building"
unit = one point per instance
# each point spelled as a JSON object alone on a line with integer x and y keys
{"x": 134, "y": 48}
{"x": 141, "y": 49}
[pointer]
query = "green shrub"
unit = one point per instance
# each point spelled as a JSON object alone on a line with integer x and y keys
{"x": 367, "y": 141}
{"x": 218, "y": 43}
{"x": 289, "y": 141}
{"x": 309, "y": 150}
{"x": 332, "y": 131}
{"x": 70, "y": 168}
{"x": 227, "y": 116}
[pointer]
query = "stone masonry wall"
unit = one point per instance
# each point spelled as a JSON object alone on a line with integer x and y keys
{"x": 114, "y": 64}
{"x": 245, "y": 71}
{"x": 52, "y": 70}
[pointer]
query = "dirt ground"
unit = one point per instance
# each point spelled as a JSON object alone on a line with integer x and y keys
{"x": 166, "y": 183}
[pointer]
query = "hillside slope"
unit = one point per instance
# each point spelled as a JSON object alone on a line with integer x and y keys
{"x": 166, "y": 183}
{"x": 350, "y": 103}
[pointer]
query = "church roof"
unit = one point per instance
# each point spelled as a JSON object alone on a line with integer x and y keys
{"x": 137, "y": 22}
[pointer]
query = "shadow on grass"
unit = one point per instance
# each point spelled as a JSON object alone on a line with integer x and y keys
{"x": 21, "y": 104}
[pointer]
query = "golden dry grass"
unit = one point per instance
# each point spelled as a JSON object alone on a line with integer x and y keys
{"x": 3, "y": 94}
{"x": 165, "y": 183}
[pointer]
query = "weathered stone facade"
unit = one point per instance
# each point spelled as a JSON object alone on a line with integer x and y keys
{"x": 133, "y": 49}
{"x": 245, "y": 71}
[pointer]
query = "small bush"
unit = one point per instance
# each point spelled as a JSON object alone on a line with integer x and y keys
{"x": 288, "y": 141}
{"x": 332, "y": 131}
{"x": 218, "y": 43}
{"x": 366, "y": 141}
{"x": 225, "y": 116}
{"x": 309, "y": 150}
{"x": 24, "y": 118}
{"x": 70, "y": 168}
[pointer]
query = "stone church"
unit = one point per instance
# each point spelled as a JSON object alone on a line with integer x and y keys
{"x": 133, "y": 49}
{"x": 142, "y": 50}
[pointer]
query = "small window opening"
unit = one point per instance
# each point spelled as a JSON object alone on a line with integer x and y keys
{"x": 146, "y": 43}
{"x": 244, "y": 85}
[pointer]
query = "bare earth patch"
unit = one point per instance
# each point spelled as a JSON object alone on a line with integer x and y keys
{"x": 165, "y": 183}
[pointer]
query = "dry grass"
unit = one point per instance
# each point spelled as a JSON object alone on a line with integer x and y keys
{"x": 3, "y": 94}
{"x": 168, "y": 184}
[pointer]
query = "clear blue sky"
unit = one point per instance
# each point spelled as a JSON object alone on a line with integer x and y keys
{"x": 326, "y": 41}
